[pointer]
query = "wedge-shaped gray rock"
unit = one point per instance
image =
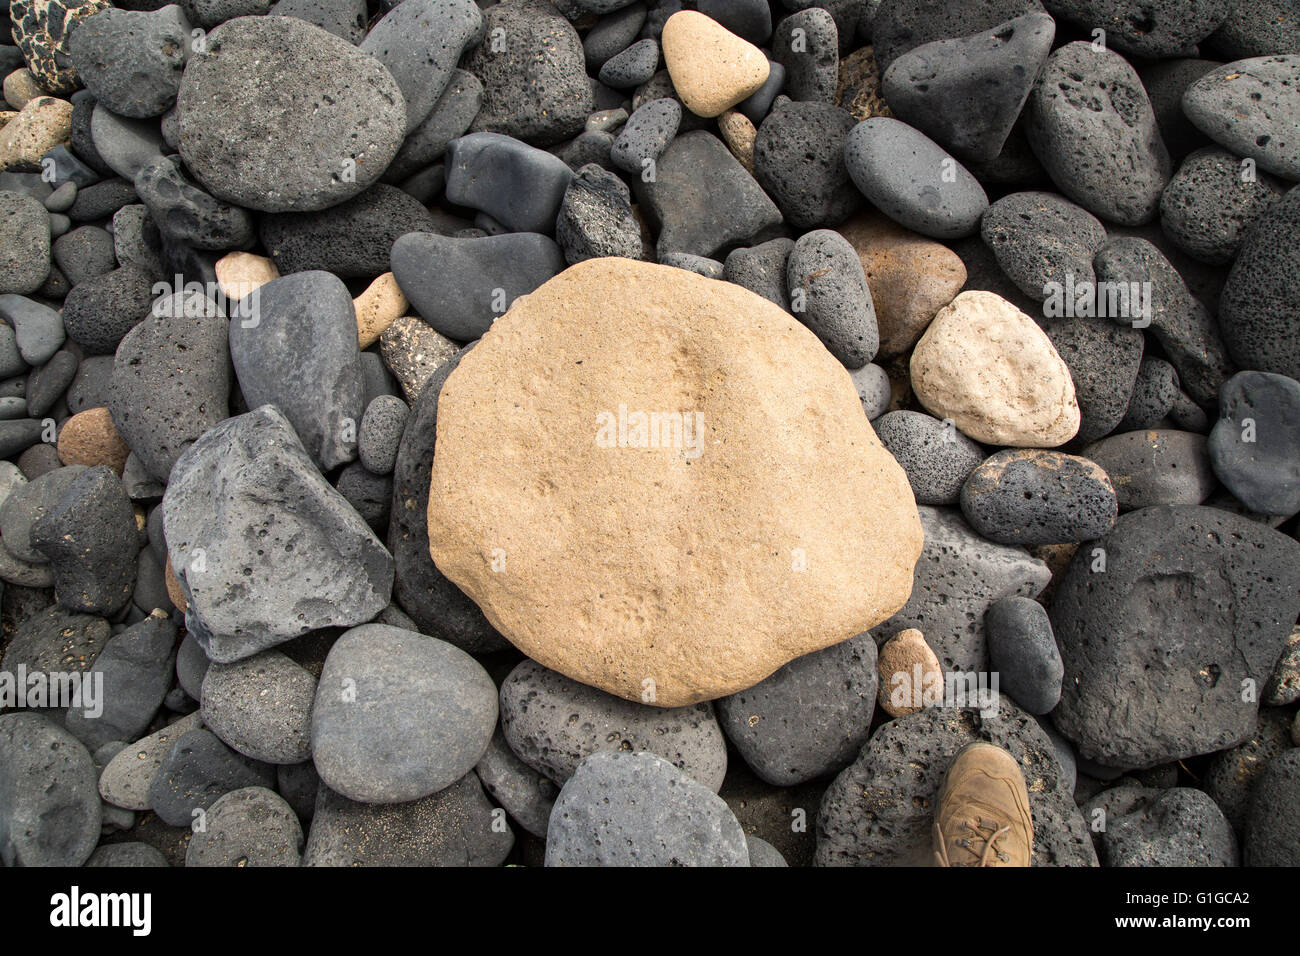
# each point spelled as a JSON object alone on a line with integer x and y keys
{"x": 537, "y": 716}
{"x": 136, "y": 667}
{"x": 879, "y": 810}
{"x": 297, "y": 349}
{"x": 1160, "y": 631}
{"x": 460, "y": 286}
{"x": 966, "y": 94}
{"x": 701, "y": 199}
{"x": 399, "y": 715}
{"x": 171, "y": 380}
{"x": 958, "y": 577}
{"x": 1092, "y": 127}
{"x": 420, "y": 43}
{"x": 518, "y": 185}
{"x": 263, "y": 548}
{"x": 636, "y": 809}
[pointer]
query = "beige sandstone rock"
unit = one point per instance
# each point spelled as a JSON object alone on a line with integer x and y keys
{"x": 42, "y": 124}
{"x": 911, "y": 277}
{"x": 738, "y": 133}
{"x": 859, "y": 89}
{"x": 20, "y": 88}
{"x": 239, "y": 273}
{"x": 910, "y": 674}
{"x": 760, "y": 521}
{"x": 987, "y": 366}
{"x": 89, "y": 438}
{"x": 712, "y": 69}
{"x": 377, "y": 308}
{"x": 174, "y": 590}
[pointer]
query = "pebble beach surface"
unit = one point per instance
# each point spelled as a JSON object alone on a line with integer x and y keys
{"x": 646, "y": 432}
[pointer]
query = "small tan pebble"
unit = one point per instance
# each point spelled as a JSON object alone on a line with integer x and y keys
{"x": 994, "y": 372}
{"x": 1057, "y": 557}
{"x": 20, "y": 88}
{"x": 40, "y": 125}
{"x": 89, "y": 438}
{"x": 174, "y": 587}
{"x": 377, "y": 308}
{"x": 910, "y": 675}
{"x": 859, "y": 86}
{"x": 414, "y": 350}
{"x": 239, "y": 273}
{"x": 738, "y": 133}
{"x": 712, "y": 69}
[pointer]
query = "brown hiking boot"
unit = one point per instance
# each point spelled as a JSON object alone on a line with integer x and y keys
{"x": 982, "y": 817}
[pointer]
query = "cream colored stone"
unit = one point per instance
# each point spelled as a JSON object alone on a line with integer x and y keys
{"x": 712, "y": 69}
{"x": 738, "y": 133}
{"x": 764, "y": 523}
{"x": 911, "y": 278}
{"x": 911, "y": 677}
{"x": 40, "y": 125}
{"x": 377, "y": 308}
{"x": 174, "y": 589}
{"x": 20, "y": 88}
{"x": 239, "y": 273}
{"x": 987, "y": 366}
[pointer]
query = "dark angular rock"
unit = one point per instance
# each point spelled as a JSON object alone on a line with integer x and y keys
{"x": 646, "y": 135}
{"x": 762, "y": 270}
{"x": 596, "y": 218}
{"x": 807, "y": 46}
{"x": 1192, "y": 602}
{"x": 799, "y": 160}
{"x": 517, "y": 185}
{"x": 1103, "y": 359}
{"x": 137, "y": 668}
{"x": 189, "y": 215}
{"x": 197, "y": 771}
{"x": 279, "y": 554}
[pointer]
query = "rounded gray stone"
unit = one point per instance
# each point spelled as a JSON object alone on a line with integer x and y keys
{"x": 261, "y": 707}
{"x": 934, "y": 455}
{"x": 1023, "y": 652}
{"x": 252, "y": 826}
{"x": 399, "y": 715}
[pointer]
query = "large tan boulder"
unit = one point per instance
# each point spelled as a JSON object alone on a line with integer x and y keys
{"x": 995, "y": 374}
{"x": 762, "y": 520}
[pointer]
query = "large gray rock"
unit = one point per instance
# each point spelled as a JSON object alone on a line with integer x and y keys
{"x": 298, "y": 351}
{"x": 879, "y": 811}
{"x": 957, "y": 578}
{"x": 1161, "y": 629}
{"x": 277, "y": 114}
{"x": 277, "y": 552}
{"x": 1145, "y": 826}
{"x": 50, "y": 809}
{"x": 538, "y": 707}
{"x": 636, "y": 809}
{"x": 1092, "y": 127}
{"x": 808, "y": 719}
{"x": 399, "y": 715}
{"x": 131, "y": 60}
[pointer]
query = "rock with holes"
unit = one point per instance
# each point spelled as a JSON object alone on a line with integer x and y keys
{"x": 1161, "y": 622}
{"x": 1030, "y": 496}
{"x": 879, "y": 810}
{"x": 552, "y": 723}
{"x": 278, "y": 553}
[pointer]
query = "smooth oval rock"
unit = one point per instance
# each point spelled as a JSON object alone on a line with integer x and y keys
{"x": 261, "y": 707}
{"x": 399, "y": 715}
{"x": 252, "y": 826}
{"x": 1034, "y": 497}
{"x": 829, "y": 294}
{"x": 911, "y": 179}
{"x": 340, "y": 115}
{"x": 1254, "y": 447}
{"x": 49, "y": 807}
{"x": 1023, "y": 651}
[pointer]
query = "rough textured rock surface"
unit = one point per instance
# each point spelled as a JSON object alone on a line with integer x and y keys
{"x": 1191, "y": 602}
{"x": 879, "y": 811}
{"x": 589, "y": 619}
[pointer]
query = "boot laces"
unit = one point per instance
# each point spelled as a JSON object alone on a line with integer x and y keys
{"x": 977, "y": 827}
